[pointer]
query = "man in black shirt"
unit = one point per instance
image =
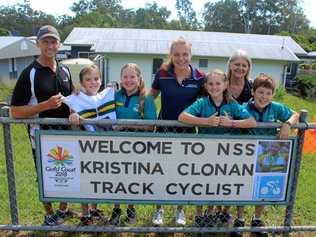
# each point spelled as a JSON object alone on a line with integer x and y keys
{"x": 39, "y": 92}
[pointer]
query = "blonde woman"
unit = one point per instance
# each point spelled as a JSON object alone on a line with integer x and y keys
{"x": 179, "y": 85}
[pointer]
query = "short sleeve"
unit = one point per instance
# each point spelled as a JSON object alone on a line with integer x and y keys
{"x": 241, "y": 112}
{"x": 150, "y": 108}
{"x": 283, "y": 112}
{"x": 22, "y": 91}
{"x": 196, "y": 108}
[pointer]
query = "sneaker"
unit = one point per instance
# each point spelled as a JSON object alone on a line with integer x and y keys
{"x": 258, "y": 223}
{"x": 96, "y": 214}
{"x": 209, "y": 220}
{"x": 180, "y": 217}
{"x": 226, "y": 218}
{"x": 199, "y": 221}
{"x": 65, "y": 214}
{"x": 52, "y": 220}
{"x": 131, "y": 215}
{"x": 237, "y": 223}
{"x": 158, "y": 217}
{"x": 218, "y": 218}
{"x": 115, "y": 217}
{"x": 85, "y": 220}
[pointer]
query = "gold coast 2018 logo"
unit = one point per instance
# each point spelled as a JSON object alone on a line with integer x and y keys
{"x": 60, "y": 156}
{"x": 60, "y": 162}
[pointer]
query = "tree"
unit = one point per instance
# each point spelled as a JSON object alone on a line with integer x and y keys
{"x": 255, "y": 16}
{"x": 224, "y": 15}
{"x": 21, "y": 19}
{"x": 187, "y": 15}
{"x": 152, "y": 16}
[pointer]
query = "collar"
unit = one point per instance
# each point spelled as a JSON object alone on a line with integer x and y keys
{"x": 37, "y": 65}
{"x": 253, "y": 107}
{"x": 134, "y": 94}
{"x": 193, "y": 72}
{"x": 224, "y": 102}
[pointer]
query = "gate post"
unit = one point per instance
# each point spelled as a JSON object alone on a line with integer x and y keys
{"x": 300, "y": 141}
{"x": 4, "y": 112}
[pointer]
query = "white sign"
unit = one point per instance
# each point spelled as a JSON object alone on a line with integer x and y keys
{"x": 164, "y": 168}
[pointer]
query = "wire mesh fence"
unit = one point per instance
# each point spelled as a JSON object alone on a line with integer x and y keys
{"x": 23, "y": 210}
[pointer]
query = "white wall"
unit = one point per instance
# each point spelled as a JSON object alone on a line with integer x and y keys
{"x": 145, "y": 62}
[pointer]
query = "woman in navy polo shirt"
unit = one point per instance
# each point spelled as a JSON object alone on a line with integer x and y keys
{"x": 179, "y": 85}
{"x": 238, "y": 72}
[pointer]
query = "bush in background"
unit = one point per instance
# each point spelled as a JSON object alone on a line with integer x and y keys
{"x": 280, "y": 92}
{"x": 306, "y": 85}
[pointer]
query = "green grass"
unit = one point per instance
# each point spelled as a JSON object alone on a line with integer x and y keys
{"x": 6, "y": 90}
{"x": 30, "y": 210}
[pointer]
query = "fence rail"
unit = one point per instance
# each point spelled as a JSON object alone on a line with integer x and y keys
{"x": 14, "y": 225}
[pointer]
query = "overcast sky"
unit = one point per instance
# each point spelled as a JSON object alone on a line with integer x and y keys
{"x": 60, "y": 7}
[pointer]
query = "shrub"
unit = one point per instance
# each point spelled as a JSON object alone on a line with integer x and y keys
{"x": 306, "y": 85}
{"x": 305, "y": 66}
{"x": 280, "y": 92}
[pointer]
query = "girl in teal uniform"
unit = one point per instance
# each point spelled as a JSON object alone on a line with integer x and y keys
{"x": 132, "y": 103}
{"x": 216, "y": 109}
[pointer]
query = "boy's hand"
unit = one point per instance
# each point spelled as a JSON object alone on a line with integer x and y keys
{"x": 74, "y": 119}
{"x": 213, "y": 120}
{"x": 284, "y": 131}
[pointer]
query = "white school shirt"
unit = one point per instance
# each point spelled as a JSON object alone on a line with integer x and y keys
{"x": 99, "y": 106}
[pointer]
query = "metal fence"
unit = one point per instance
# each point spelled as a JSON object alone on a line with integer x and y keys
{"x": 18, "y": 185}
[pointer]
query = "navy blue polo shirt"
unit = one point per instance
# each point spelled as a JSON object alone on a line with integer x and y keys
{"x": 176, "y": 97}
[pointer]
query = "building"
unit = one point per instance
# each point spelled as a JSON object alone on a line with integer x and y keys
{"x": 15, "y": 54}
{"x": 271, "y": 54}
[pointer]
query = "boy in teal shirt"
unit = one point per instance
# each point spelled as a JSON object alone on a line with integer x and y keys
{"x": 263, "y": 109}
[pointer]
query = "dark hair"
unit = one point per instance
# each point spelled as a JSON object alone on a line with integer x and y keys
{"x": 265, "y": 81}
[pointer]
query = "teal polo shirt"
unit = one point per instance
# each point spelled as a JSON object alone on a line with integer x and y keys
{"x": 205, "y": 107}
{"x": 127, "y": 106}
{"x": 274, "y": 112}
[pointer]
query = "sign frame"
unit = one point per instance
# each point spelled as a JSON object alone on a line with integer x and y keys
{"x": 43, "y": 198}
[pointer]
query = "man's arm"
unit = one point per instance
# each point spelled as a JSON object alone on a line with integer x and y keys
{"x": 26, "y": 111}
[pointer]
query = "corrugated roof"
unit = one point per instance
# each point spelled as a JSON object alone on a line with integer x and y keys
{"x": 213, "y": 44}
{"x": 16, "y": 47}
{"x": 7, "y": 40}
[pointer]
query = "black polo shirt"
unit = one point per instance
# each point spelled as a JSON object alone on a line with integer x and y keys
{"x": 245, "y": 95}
{"x": 37, "y": 83}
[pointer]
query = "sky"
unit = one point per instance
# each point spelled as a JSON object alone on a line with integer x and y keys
{"x": 60, "y": 7}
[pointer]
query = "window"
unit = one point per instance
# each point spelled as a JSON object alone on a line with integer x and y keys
{"x": 13, "y": 72}
{"x": 289, "y": 69}
{"x": 203, "y": 62}
{"x": 156, "y": 64}
{"x": 84, "y": 54}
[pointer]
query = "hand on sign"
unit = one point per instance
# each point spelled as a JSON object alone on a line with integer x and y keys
{"x": 213, "y": 120}
{"x": 74, "y": 119}
{"x": 225, "y": 121}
